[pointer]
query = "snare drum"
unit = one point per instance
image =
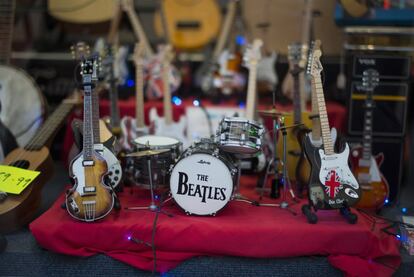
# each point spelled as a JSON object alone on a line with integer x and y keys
{"x": 202, "y": 180}
{"x": 160, "y": 164}
{"x": 239, "y": 135}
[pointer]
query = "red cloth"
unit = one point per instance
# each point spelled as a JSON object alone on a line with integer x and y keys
{"x": 336, "y": 113}
{"x": 240, "y": 229}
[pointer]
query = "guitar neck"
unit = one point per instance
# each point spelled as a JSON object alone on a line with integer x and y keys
{"x": 167, "y": 93}
{"x": 307, "y": 22}
{"x": 316, "y": 124}
{"x": 113, "y": 97}
{"x": 88, "y": 125}
{"x": 297, "y": 109}
{"x": 323, "y": 116}
{"x": 367, "y": 131}
{"x": 139, "y": 97}
{"x": 95, "y": 118}
{"x": 231, "y": 11}
{"x": 251, "y": 92}
{"x": 50, "y": 127}
{"x": 139, "y": 30}
{"x": 6, "y": 29}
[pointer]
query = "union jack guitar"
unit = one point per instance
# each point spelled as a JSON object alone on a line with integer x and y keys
{"x": 332, "y": 184}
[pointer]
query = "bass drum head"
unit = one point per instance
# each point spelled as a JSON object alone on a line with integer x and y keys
{"x": 21, "y": 104}
{"x": 156, "y": 142}
{"x": 201, "y": 184}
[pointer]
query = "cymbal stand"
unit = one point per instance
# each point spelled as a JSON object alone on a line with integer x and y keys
{"x": 153, "y": 207}
{"x": 237, "y": 196}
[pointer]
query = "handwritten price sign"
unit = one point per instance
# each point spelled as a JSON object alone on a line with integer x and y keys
{"x": 14, "y": 180}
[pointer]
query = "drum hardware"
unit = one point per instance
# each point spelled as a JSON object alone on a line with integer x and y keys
{"x": 272, "y": 113}
{"x": 145, "y": 153}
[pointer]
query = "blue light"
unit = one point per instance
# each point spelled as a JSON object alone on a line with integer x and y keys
{"x": 129, "y": 237}
{"x": 156, "y": 197}
{"x": 196, "y": 103}
{"x": 386, "y": 201}
{"x": 130, "y": 83}
{"x": 398, "y": 236}
{"x": 177, "y": 101}
{"x": 242, "y": 105}
{"x": 240, "y": 40}
{"x": 404, "y": 210}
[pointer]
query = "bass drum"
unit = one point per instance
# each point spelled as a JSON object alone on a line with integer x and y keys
{"x": 202, "y": 180}
{"x": 22, "y": 104}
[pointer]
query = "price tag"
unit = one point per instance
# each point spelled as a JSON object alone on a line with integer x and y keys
{"x": 14, "y": 180}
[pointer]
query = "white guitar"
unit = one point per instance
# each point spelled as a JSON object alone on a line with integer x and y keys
{"x": 135, "y": 127}
{"x": 165, "y": 126}
{"x": 79, "y": 51}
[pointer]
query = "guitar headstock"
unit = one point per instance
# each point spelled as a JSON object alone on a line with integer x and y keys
{"x": 253, "y": 54}
{"x": 80, "y": 50}
{"x": 298, "y": 54}
{"x": 370, "y": 79}
{"x": 139, "y": 53}
{"x": 89, "y": 71}
{"x": 314, "y": 64}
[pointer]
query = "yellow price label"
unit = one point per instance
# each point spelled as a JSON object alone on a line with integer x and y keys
{"x": 14, "y": 180}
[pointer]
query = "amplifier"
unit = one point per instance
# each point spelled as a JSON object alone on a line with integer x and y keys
{"x": 388, "y": 67}
{"x": 390, "y": 110}
{"x": 392, "y": 167}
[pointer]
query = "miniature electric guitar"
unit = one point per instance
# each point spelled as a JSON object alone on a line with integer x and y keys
{"x": 332, "y": 184}
{"x": 89, "y": 199}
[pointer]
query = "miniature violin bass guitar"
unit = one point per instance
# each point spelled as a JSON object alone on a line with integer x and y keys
{"x": 89, "y": 199}
{"x": 375, "y": 188}
{"x": 332, "y": 184}
{"x": 165, "y": 126}
{"x": 135, "y": 127}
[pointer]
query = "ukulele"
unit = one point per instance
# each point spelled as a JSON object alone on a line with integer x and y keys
{"x": 190, "y": 24}
{"x": 135, "y": 127}
{"x": 89, "y": 199}
{"x": 297, "y": 55}
{"x": 375, "y": 188}
{"x": 18, "y": 210}
{"x": 331, "y": 184}
{"x": 104, "y": 141}
{"x": 165, "y": 126}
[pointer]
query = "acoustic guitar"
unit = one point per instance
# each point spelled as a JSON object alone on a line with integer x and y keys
{"x": 190, "y": 24}
{"x": 331, "y": 184}
{"x": 82, "y": 11}
{"x": 18, "y": 210}
{"x": 90, "y": 198}
{"x": 355, "y": 8}
{"x": 375, "y": 188}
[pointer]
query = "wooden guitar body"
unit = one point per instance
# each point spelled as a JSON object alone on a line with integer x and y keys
{"x": 332, "y": 184}
{"x": 79, "y": 11}
{"x": 190, "y": 24}
{"x": 375, "y": 188}
{"x": 89, "y": 199}
{"x": 355, "y": 8}
{"x": 18, "y": 210}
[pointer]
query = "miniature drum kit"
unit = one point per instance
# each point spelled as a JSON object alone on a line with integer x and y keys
{"x": 203, "y": 178}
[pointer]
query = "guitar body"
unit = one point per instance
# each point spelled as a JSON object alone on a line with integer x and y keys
{"x": 332, "y": 184}
{"x": 89, "y": 206}
{"x": 18, "y": 210}
{"x": 266, "y": 72}
{"x": 293, "y": 146}
{"x": 375, "y": 188}
{"x": 190, "y": 24}
{"x": 174, "y": 130}
{"x": 23, "y": 118}
{"x": 130, "y": 132}
{"x": 355, "y": 8}
{"x": 80, "y": 11}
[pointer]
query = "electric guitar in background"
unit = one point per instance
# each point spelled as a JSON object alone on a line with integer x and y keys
{"x": 297, "y": 56}
{"x": 135, "y": 127}
{"x": 90, "y": 198}
{"x": 104, "y": 141}
{"x": 375, "y": 188}
{"x": 18, "y": 210}
{"x": 190, "y": 24}
{"x": 332, "y": 184}
{"x": 287, "y": 85}
{"x": 165, "y": 126}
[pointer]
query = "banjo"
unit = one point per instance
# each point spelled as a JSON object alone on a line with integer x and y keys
{"x": 22, "y": 103}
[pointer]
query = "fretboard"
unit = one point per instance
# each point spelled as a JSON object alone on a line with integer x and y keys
{"x": 95, "y": 118}
{"x": 49, "y": 128}
{"x": 367, "y": 131}
{"x": 297, "y": 109}
{"x": 6, "y": 29}
{"x": 139, "y": 97}
{"x": 113, "y": 96}
{"x": 139, "y": 30}
{"x": 316, "y": 124}
{"x": 323, "y": 116}
{"x": 167, "y": 93}
{"x": 88, "y": 131}
{"x": 251, "y": 92}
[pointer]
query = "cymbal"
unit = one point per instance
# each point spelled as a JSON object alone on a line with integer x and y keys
{"x": 146, "y": 153}
{"x": 291, "y": 126}
{"x": 270, "y": 113}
